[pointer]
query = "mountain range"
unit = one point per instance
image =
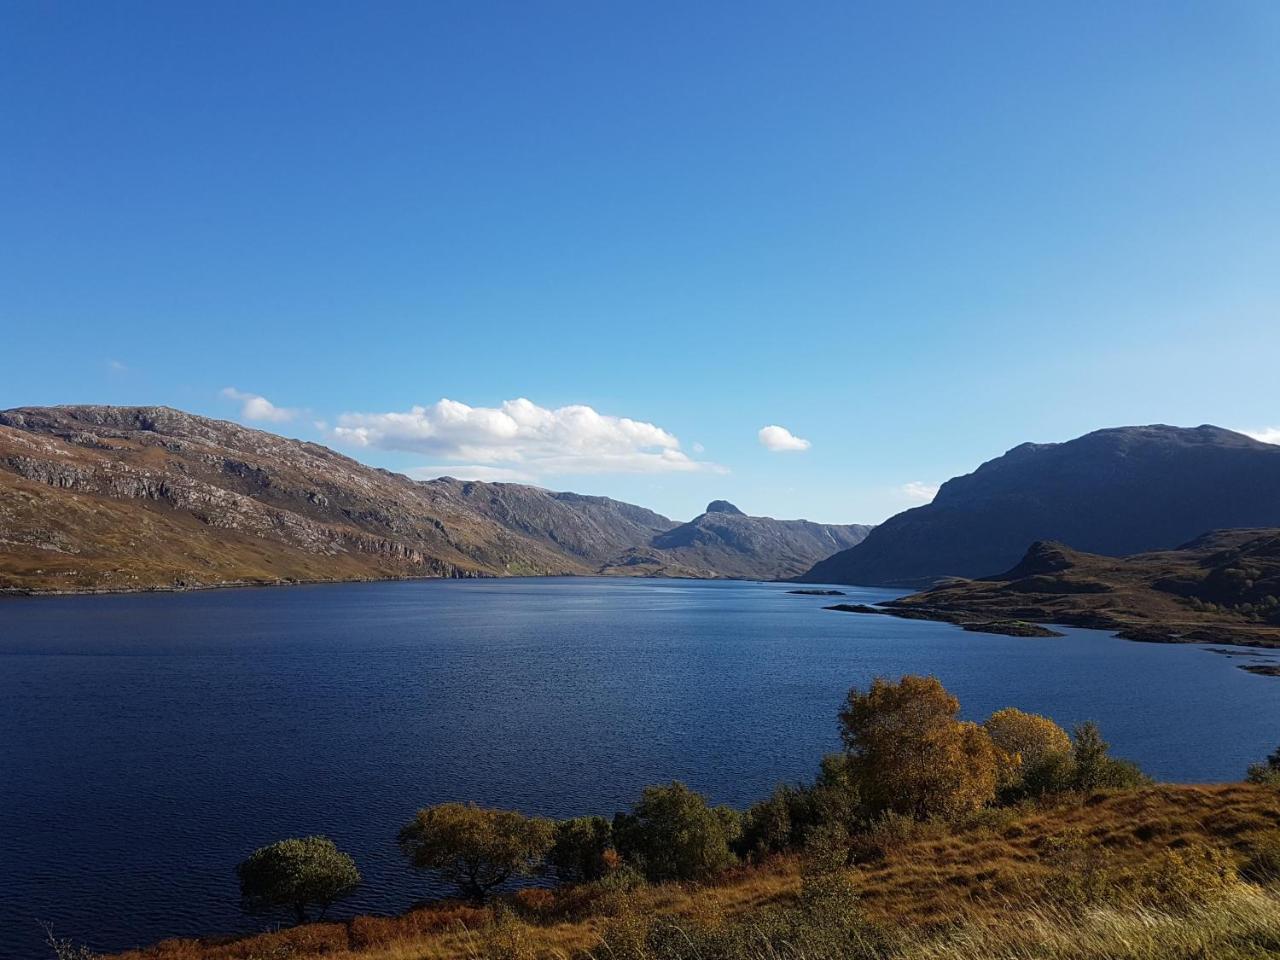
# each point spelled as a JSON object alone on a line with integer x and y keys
{"x": 97, "y": 498}
{"x": 1113, "y": 492}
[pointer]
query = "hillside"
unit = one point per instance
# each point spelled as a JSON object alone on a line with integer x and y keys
{"x": 1223, "y": 587}
{"x": 725, "y": 542}
{"x": 1114, "y": 492}
{"x": 99, "y": 498}
{"x": 1001, "y": 887}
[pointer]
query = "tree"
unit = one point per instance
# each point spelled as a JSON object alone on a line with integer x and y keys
{"x": 909, "y": 754}
{"x": 1095, "y": 768}
{"x": 582, "y": 849}
{"x": 768, "y": 826}
{"x": 295, "y": 874}
{"x": 1027, "y": 742}
{"x": 674, "y": 834}
{"x": 474, "y": 847}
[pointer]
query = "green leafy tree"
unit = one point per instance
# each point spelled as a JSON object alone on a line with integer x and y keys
{"x": 296, "y": 874}
{"x": 474, "y": 847}
{"x": 1095, "y": 768}
{"x": 674, "y": 834}
{"x": 583, "y": 849}
{"x": 909, "y": 754}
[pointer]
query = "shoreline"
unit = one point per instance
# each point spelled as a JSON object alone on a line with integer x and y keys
{"x": 36, "y": 593}
{"x": 1032, "y": 625}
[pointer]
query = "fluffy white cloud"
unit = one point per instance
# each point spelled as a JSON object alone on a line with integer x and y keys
{"x": 779, "y": 439}
{"x": 533, "y": 440}
{"x": 255, "y": 407}
{"x": 1266, "y": 434}
{"x": 918, "y": 492}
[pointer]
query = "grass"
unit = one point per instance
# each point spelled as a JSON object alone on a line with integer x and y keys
{"x": 1148, "y": 873}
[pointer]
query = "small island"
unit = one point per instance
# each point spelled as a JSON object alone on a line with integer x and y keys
{"x": 815, "y": 592}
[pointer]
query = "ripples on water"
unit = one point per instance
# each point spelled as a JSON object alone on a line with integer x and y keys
{"x": 151, "y": 742}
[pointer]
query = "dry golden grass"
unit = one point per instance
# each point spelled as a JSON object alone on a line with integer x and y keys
{"x": 978, "y": 891}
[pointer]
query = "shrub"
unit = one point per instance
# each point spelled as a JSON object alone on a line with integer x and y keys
{"x": 890, "y": 832}
{"x": 581, "y": 850}
{"x": 780, "y": 822}
{"x": 1263, "y": 865}
{"x": 1266, "y": 773}
{"x": 476, "y": 848}
{"x": 1095, "y": 768}
{"x": 835, "y": 797}
{"x": 295, "y": 874}
{"x": 65, "y": 949}
{"x": 674, "y": 834}
{"x": 1183, "y": 877}
{"x": 909, "y": 754}
{"x": 1027, "y": 742}
{"x": 1080, "y": 874}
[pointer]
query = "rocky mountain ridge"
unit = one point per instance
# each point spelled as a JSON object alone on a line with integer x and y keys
{"x": 102, "y": 498}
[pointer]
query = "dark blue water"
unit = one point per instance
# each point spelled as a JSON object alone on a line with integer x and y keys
{"x": 148, "y": 743}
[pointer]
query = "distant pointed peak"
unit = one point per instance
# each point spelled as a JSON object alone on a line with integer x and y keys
{"x": 723, "y": 506}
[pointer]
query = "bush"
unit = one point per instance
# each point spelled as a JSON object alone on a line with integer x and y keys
{"x": 778, "y": 823}
{"x": 910, "y": 755}
{"x": 476, "y": 848}
{"x": 1266, "y": 773}
{"x": 1182, "y": 877}
{"x": 674, "y": 834}
{"x": 835, "y": 797}
{"x": 1026, "y": 741}
{"x": 1263, "y": 865}
{"x": 1095, "y": 768}
{"x": 295, "y": 874}
{"x": 1080, "y": 873}
{"x": 65, "y": 949}
{"x": 581, "y": 850}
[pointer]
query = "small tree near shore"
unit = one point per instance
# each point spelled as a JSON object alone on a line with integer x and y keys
{"x": 674, "y": 834}
{"x": 477, "y": 848}
{"x": 910, "y": 755}
{"x": 295, "y": 875}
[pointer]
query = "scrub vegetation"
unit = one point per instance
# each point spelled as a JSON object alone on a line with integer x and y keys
{"x": 926, "y": 837}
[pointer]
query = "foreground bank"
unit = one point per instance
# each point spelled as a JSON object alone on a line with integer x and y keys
{"x": 925, "y": 837}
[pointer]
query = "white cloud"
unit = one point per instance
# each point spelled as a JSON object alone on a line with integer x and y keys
{"x": 117, "y": 366}
{"x": 918, "y": 492}
{"x": 779, "y": 439}
{"x": 1266, "y": 434}
{"x": 534, "y": 440}
{"x": 255, "y": 407}
{"x": 472, "y": 471}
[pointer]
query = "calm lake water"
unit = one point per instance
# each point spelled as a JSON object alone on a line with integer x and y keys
{"x": 148, "y": 743}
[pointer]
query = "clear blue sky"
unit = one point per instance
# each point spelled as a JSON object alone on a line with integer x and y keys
{"x": 911, "y": 234}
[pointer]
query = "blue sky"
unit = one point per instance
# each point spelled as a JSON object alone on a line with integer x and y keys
{"x": 911, "y": 234}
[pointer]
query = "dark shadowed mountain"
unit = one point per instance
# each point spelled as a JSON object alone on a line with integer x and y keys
{"x": 1114, "y": 492}
{"x": 131, "y": 498}
{"x": 725, "y": 542}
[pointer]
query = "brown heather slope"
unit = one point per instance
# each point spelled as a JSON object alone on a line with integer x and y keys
{"x": 1223, "y": 587}
{"x": 994, "y": 874}
{"x": 97, "y": 498}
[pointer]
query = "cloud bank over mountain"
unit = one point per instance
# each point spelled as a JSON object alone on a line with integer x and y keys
{"x": 522, "y": 438}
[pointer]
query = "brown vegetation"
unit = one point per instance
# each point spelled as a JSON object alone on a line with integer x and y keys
{"x": 986, "y": 873}
{"x": 1223, "y": 587}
